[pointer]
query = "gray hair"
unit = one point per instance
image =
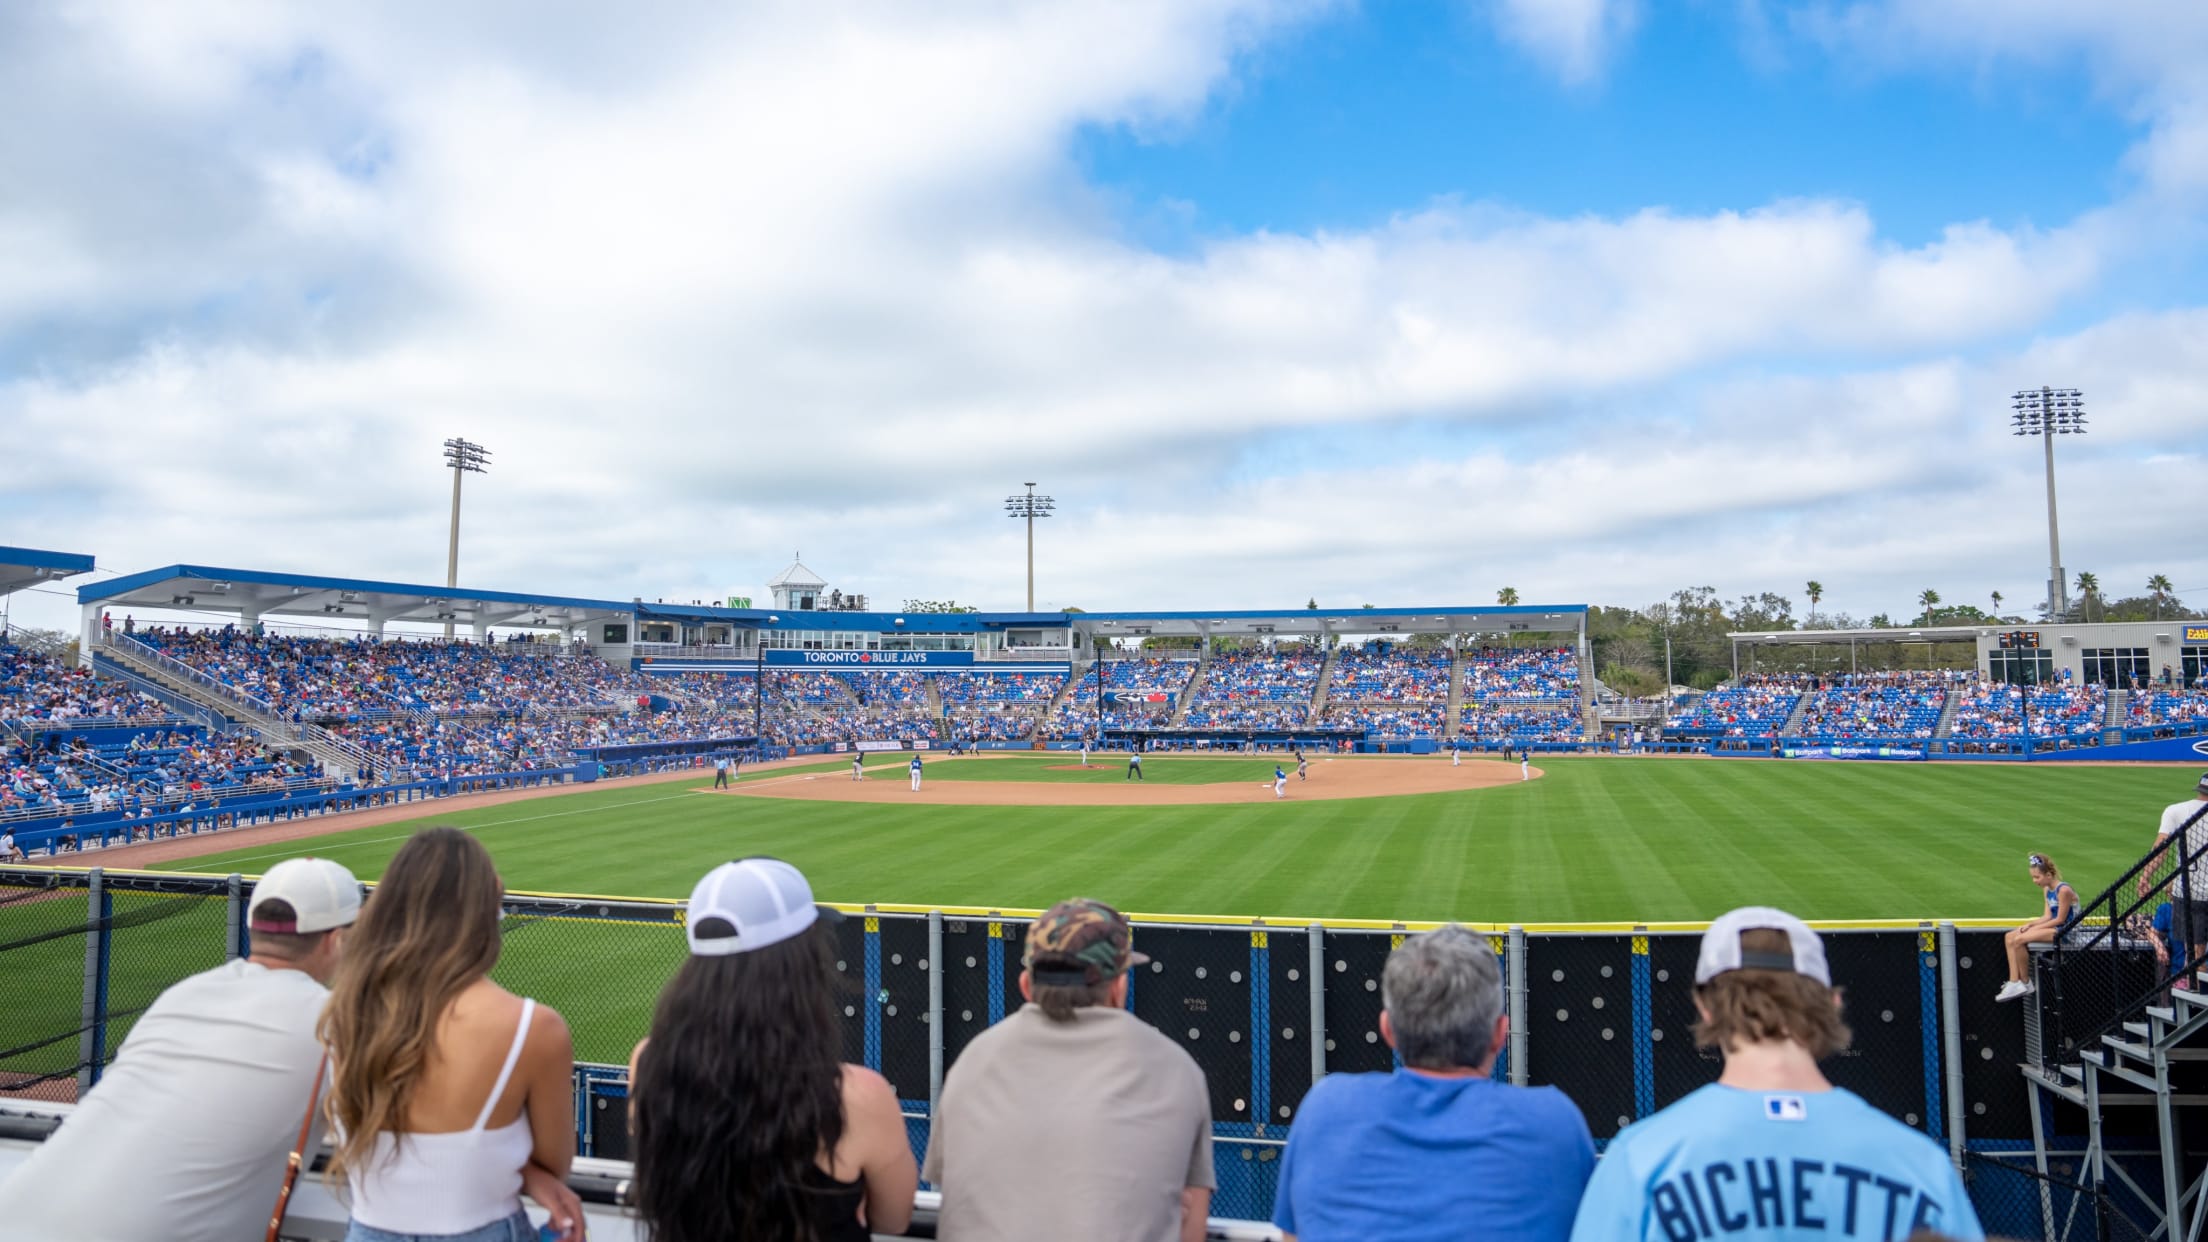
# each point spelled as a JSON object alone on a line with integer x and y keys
{"x": 1443, "y": 991}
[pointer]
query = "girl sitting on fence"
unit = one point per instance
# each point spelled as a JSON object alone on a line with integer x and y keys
{"x": 2062, "y": 911}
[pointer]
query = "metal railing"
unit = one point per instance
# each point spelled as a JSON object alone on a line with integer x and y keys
{"x": 2105, "y": 970}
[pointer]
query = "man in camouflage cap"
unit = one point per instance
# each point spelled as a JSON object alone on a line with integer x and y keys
{"x": 1073, "y": 1071}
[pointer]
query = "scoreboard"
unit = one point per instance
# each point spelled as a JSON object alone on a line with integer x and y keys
{"x": 2020, "y": 640}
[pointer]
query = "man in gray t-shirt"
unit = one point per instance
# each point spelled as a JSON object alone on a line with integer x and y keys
{"x": 186, "y": 1135}
{"x": 1073, "y": 1118}
{"x": 2187, "y": 894}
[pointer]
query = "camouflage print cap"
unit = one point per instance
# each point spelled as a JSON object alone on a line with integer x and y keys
{"x": 1080, "y": 943}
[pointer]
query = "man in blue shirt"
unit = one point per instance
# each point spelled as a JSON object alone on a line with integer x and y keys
{"x": 1438, "y": 1149}
{"x": 1771, "y": 1150}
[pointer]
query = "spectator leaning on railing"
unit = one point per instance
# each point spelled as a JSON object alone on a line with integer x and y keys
{"x": 1438, "y": 1149}
{"x": 1073, "y": 1118}
{"x": 187, "y": 1134}
{"x": 452, "y": 1096}
{"x": 1771, "y": 1150}
{"x": 747, "y": 1123}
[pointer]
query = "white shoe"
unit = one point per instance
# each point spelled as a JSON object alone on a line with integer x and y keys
{"x": 2010, "y": 991}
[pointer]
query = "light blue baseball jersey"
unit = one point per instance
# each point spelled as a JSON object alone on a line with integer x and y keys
{"x": 1729, "y": 1163}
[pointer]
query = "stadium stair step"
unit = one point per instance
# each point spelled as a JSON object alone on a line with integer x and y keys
{"x": 1326, "y": 682}
{"x": 1454, "y": 712}
{"x": 1793, "y": 725}
{"x": 331, "y": 751}
{"x": 1188, "y": 693}
{"x": 934, "y": 699}
{"x": 1949, "y": 703}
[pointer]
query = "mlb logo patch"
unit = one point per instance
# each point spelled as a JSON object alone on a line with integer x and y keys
{"x": 1784, "y": 1108}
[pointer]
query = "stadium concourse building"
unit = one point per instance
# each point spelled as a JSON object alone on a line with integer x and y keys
{"x": 2120, "y": 655}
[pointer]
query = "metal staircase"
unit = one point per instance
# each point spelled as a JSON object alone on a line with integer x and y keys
{"x": 2110, "y": 1025}
{"x": 2117, "y": 715}
{"x": 1953, "y": 700}
{"x": 1074, "y": 674}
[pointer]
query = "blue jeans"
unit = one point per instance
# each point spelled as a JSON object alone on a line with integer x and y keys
{"x": 515, "y": 1228}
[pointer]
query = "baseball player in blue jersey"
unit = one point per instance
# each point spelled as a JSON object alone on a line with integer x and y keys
{"x": 1280, "y": 782}
{"x": 1771, "y": 1150}
{"x": 916, "y": 774}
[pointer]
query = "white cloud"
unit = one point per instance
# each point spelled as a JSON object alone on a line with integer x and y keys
{"x": 717, "y": 289}
{"x": 1575, "y": 39}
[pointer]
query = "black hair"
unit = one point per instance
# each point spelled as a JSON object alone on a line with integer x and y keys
{"x": 284, "y": 946}
{"x": 738, "y": 1094}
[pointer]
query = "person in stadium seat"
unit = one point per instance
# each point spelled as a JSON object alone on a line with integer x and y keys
{"x": 2187, "y": 893}
{"x": 1417, "y": 1153}
{"x": 1073, "y": 1118}
{"x": 746, "y": 1124}
{"x": 2062, "y": 910}
{"x": 187, "y": 1133}
{"x": 1771, "y": 1149}
{"x": 424, "y": 1048}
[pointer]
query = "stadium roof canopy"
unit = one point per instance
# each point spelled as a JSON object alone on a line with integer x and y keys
{"x": 251, "y": 595}
{"x": 1898, "y": 634}
{"x": 840, "y": 620}
{"x": 1498, "y": 619}
{"x": 27, "y": 567}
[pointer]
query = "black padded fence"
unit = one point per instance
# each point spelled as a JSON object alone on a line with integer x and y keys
{"x": 1265, "y": 1009}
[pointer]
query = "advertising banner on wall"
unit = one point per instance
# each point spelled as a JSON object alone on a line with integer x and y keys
{"x": 2196, "y": 633}
{"x": 831, "y": 661}
{"x": 1902, "y": 753}
{"x": 2157, "y": 750}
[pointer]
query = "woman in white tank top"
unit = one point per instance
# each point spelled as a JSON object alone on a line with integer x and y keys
{"x": 449, "y": 1096}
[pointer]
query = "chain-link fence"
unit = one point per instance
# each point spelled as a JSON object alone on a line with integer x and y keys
{"x": 1264, "y": 1009}
{"x": 2014, "y": 1198}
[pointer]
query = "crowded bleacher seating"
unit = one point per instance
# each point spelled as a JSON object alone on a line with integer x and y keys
{"x": 37, "y": 690}
{"x": 1994, "y": 710}
{"x": 996, "y": 707}
{"x": 1752, "y": 707}
{"x": 1385, "y": 674}
{"x": 1521, "y": 696}
{"x": 1899, "y": 706}
{"x": 2167, "y": 709}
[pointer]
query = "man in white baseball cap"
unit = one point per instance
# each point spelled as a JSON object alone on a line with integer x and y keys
{"x": 203, "y": 1101}
{"x": 1772, "y": 1149}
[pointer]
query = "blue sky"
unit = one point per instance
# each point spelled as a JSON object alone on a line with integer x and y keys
{"x": 1281, "y": 299}
{"x": 1379, "y": 109}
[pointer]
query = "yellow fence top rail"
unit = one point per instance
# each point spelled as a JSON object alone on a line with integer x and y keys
{"x": 1200, "y": 920}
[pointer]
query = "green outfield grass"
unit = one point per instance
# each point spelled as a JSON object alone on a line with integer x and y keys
{"x": 1595, "y": 840}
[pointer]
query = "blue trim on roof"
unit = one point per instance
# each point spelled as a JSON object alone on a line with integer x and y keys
{"x": 852, "y": 622}
{"x": 1282, "y": 614}
{"x": 39, "y": 558}
{"x": 117, "y": 587}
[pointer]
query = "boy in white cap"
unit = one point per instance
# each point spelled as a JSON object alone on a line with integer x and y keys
{"x": 204, "y": 1100}
{"x": 1772, "y": 1149}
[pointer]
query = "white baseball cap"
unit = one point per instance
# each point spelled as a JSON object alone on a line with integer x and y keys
{"x": 322, "y": 895}
{"x": 760, "y": 901}
{"x": 1721, "y": 949}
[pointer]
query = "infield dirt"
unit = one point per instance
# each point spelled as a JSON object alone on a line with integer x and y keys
{"x": 1332, "y": 779}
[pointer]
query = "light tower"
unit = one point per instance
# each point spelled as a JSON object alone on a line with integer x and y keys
{"x": 1029, "y": 506}
{"x": 2047, "y": 413}
{"x": 465, "y": 458}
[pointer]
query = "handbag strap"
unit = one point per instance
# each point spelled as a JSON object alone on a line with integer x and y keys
{"x": 297, "y": 1159}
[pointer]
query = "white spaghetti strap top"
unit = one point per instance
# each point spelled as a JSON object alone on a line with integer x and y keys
{"x": 454, "y": 1182}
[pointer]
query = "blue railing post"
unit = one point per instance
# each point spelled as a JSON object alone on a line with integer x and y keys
{"x": 873, "y": 1008}
{"x": 1644, "y": 1042}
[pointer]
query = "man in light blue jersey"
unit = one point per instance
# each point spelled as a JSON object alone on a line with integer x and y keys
{"x": 1771, "y": 1150}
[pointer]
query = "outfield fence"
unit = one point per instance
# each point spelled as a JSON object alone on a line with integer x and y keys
{"x": 1266, "y": 1007}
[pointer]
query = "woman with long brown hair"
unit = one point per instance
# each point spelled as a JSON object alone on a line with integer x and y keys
{"x": 749, "y": 1128}
{"x": 450, "y": 1096}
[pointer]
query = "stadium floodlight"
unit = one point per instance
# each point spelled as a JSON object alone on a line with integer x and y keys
{"x": 1029, "y": 506}
{"x": 2047, "y": 413}
{"x": 465, "y": 457}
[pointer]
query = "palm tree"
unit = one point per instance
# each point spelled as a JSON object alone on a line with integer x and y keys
{"x": 1997, "y": 603}
{"x": 2089, "y": 585}
{"x": 1507, "y": 597}
{"x": 2159, "y": 586}
{"x": 1930, "y": 599}
{"x": 1816, "y": 591}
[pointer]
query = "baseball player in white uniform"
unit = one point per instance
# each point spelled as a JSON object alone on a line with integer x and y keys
{"x": 916, "y": 774}
{"x": 1280, "y": 782}
{"x": 1525, "y": 767}
{"x": 858, "y": 766}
